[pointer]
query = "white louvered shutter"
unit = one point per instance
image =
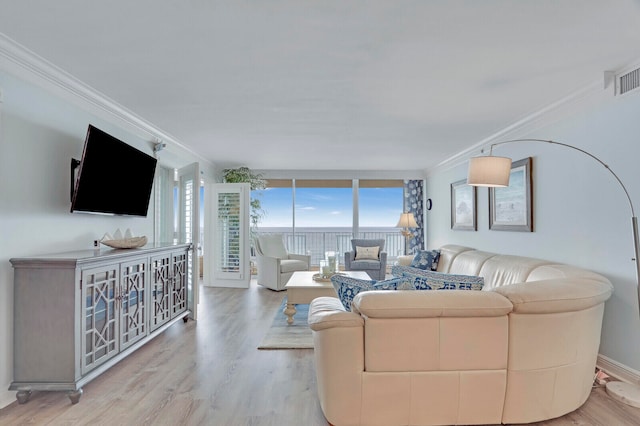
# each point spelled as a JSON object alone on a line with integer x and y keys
{"x": 189, "y": 177}
{"x": 230, "y": 225}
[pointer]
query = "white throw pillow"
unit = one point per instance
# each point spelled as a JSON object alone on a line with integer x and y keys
{"x": 367, "y": 253}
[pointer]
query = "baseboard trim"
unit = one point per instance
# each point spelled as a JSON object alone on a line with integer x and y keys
{"x": 618, "y": 370}
{"x": 7, "y": 398}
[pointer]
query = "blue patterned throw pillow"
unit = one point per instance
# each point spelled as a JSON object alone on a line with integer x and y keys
{"x": 347, "y": 288}
{"x": 401, "y": 270}
{"x": 426, "y": 259}
{"x": 431, "y": 280}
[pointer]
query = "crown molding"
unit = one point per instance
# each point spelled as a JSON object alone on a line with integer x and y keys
{"x": 27, "y": 65}
{"x": 587, "y": 95}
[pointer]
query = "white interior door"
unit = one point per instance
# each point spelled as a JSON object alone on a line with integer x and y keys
{"x": 229, "y": 223}
{"x": 189, "y": 229}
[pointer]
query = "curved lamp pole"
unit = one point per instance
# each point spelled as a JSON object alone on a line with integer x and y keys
{"x": 494, "y": 171}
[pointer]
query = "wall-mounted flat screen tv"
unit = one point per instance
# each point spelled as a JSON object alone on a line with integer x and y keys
{"x": 113, "y": 177}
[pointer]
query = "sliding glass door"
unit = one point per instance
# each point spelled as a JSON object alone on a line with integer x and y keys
{"x": 379, "y": 207}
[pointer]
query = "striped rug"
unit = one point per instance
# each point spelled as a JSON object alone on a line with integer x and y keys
{"x": 284, "y": 336}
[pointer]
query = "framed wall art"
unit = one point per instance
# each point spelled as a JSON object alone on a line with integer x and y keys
{"x": 463, "y": 206}
{"x": 510, "y": 208}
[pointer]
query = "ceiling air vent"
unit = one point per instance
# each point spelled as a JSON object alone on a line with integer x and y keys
{"x": 629, "y": 81}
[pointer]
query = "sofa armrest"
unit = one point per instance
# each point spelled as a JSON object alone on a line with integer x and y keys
{"x": 328, "y": 312}
{"x": 348, "y": 258}
{"x": 556, "y": 295}
{"x": 270, "y": 265}
{"x": 303, "y": 257}
{"x": 430, "y": 303}
{"x": 338, "y": 340}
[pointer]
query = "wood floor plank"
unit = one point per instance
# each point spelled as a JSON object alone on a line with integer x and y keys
{"x": 209, "y": 372}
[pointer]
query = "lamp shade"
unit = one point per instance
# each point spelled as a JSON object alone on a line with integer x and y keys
{"x": 407, "y": 221}
{"x": 489, "y": 171}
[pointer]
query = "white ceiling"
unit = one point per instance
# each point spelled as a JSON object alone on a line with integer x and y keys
{"x": 333, "y": 84}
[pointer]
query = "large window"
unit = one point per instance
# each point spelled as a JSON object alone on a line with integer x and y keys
{"x": 379, "y": 203}
{"x": 277, "y": 207}
{"x": 323, "y": 203}
{"x": 318, "y": 215}
{"x": 329, "y": 203}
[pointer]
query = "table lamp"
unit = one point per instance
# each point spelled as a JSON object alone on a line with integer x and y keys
{"x": 406, "y": 221}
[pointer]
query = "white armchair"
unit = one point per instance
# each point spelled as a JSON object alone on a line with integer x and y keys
{"x": 275, "y": 265}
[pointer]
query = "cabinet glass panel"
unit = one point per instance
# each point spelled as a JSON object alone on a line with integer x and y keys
{"x": 161, "y": 285}
{"x": 133, "y": 302}
{"x": 100, "y": 318}
{"x": 179, "y": 292}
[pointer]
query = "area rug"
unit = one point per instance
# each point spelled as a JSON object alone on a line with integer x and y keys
{"x": 284, "y": 336}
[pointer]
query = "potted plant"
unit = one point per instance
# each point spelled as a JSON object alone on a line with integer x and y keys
{"x": 256, "y": 182}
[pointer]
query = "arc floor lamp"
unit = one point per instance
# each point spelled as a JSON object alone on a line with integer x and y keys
{"x": 492, "y": 171}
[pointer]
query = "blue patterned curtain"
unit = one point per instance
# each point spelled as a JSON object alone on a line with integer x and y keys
{"x": 413, "y": 203}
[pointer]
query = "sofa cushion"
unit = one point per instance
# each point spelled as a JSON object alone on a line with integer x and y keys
{"x": 426, "y": 259}
{"x": 328, "y": 312}
{"x": 347, "y": 288}
{"x": 503, "y": 269}
{"x": 556, "y": 295}
{"x": 361, "y": 265}
{"x": 367, "y": 253}
{"x": 431, "y": 304}
{"x": 448, "y": 253}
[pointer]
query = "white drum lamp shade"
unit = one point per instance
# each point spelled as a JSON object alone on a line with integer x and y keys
{"x": 489, "y": 171}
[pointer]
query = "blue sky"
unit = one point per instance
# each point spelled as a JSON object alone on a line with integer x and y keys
{"x": 331, "y": 207}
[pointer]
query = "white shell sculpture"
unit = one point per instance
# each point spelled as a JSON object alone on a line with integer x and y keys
{"x": 128, "y": 241}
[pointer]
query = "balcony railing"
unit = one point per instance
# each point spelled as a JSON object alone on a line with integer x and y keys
{"x": 317, "y": 241}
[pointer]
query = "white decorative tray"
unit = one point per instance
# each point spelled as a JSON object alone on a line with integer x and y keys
{"x": 325, "y": 278}
{"x": 133, "y": 242}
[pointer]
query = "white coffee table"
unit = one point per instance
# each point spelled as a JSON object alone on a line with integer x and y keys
{"x": 302, "y": 289}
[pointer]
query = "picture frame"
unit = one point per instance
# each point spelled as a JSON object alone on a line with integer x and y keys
{"x": 463, "y": 206}
{"x": 510, "y": 208}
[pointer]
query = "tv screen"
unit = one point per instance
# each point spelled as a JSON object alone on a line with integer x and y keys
{"x": 113, "y": 177}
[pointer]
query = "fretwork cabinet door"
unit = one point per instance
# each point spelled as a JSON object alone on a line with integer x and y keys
{"x": 179, "y": 265}
{"x": 160, "y": 291}
{"x": 100, "y": 317}
{"x": 133, "y": 301}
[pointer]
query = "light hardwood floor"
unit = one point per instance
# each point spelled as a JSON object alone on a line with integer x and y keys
{"x": 209, "y": 372}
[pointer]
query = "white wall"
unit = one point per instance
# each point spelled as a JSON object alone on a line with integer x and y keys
{"x": 581, "y": 215}
{"x": 40, "y": 132}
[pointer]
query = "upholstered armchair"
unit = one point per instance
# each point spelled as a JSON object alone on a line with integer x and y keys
{"x": 368, "y": 256}
{"x": 275, "y": 265}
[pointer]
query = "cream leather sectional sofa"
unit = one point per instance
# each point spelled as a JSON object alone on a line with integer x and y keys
{"x": 521, "y": 350}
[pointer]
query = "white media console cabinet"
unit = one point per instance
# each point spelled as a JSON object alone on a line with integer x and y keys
{"x": 77, "y": 314}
